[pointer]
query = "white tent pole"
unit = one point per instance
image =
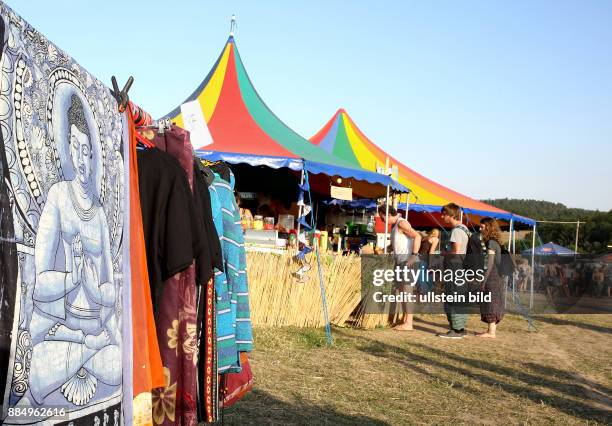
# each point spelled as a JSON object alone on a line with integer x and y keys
{"x": 533, "y": 238}
{"x": 386, "y": 220}
{"x": 577, "y": 232}
{"x": 510, "y": 230}
{"x": 461, "y": 216}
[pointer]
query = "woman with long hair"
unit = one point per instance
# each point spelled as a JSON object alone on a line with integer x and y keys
{"x": 431, "y": 243}
{"x": 492, "y": 312}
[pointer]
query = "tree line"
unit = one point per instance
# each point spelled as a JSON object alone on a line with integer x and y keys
{"x": 595, "y": 233}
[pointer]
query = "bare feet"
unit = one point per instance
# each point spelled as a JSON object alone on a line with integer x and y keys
{"x": 403, "y": 327}
{"x": 486, "y": 335}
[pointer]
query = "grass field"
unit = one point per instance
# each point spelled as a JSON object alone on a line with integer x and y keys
{"x": 560, "y": 374}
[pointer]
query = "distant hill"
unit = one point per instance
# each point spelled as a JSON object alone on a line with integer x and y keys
{"x": 595, "y": 234}
{"x": 541, "y": 210}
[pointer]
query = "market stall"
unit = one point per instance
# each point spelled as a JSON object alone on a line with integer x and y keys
{"x": 283, "y": 181}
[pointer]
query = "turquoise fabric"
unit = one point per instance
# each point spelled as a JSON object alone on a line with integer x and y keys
{"x": 234, "y": 330}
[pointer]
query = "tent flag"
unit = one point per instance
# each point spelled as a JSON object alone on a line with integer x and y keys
{"x": 244, "y": 130}
{"x": 341, "y": 137}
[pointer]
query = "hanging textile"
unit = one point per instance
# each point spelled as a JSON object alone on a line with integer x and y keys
{"x": 234, "y": 332}
{"x": 206, "y": 264}
{"x": 63, "y": 158}
{"x": 210, "y": 255}
{"x": 147, "y": 371}
{"x": 174, "y": 240}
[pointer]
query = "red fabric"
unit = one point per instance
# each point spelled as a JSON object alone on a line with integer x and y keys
{"x": 232, "y": 123}
{"x": 209, "y": 335}
{"x": 379, "y": 225}
{"x": 236, "y": 385}
{"x": 176, "y": 317}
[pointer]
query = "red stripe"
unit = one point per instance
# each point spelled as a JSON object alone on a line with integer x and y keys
{"x": 232, "y": 127}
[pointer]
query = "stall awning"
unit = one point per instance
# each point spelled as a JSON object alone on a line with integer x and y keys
{"x": 297, "y": 164}
{"x": 507, "y": 216}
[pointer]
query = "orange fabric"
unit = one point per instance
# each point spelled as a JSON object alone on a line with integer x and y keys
{"x": 148, "y": 369}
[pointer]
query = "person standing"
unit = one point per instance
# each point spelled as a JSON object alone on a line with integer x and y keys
{"x": 491, "y": 313}
{"x": 405, "y": 242}
{"x": 453, "y": 260}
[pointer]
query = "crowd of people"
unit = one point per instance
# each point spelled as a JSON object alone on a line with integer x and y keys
{"x": 573, "y": 278}
{"x": 483, "y": 248}
{"x": 412, "y": 249}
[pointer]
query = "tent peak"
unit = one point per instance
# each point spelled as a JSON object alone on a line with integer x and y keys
{"x": 232, "y": 26}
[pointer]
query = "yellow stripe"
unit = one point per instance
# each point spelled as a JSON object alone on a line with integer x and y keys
{"x": 368, "y": 160}
{"x": 210, "y": 95}
{"x": 178, "y": 120}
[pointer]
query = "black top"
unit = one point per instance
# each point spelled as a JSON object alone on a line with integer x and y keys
{"x": 168, "y": 217}
{"x": 210, "y": 248}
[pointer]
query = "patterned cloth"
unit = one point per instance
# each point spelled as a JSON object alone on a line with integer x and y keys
{"x": 63, "y": 148}
{"x": 234, "y": 331}
{"x": 493, "y": 311}
{"x": 176, "y": 320}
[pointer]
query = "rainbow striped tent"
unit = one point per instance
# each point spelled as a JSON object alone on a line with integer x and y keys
{"x": 242, "y": 129}
{"x": 342, "y": 138}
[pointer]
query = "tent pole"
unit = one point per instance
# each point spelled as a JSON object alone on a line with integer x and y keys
{"x": 461, "y": 217}
{"x": 386, "y": 206}
{"x": 577, "y": 232}
{"x": 301, "y": 206}
{"x": 386, "y": 220}
{"x": 533, "y": 237}
{"x": 510, "y": 230}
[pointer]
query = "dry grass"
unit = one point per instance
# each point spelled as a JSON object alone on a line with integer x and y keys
{"x": 277, "y": 299}
{"x": 561, "y": 374}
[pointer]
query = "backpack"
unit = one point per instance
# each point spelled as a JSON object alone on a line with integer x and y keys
{"x": 474, "y": 253}
{"x": 506, "y": 266}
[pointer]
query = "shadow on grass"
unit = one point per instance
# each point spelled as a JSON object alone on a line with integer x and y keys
{"x": 259, "y": 407}
{"x": 480, "y": 370}
{"x": 562, "y": 321}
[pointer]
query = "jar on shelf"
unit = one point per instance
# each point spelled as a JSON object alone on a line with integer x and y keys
{"x": 258, "y": 222}
{"x": 268, "y": 223}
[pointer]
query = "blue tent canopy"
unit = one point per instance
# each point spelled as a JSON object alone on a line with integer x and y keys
{"x": 297, "y": 164}
{"x": 425, "y": 208}
{"x": 550, "y": 249}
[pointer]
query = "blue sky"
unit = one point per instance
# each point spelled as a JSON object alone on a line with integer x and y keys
{"x": 493, "y": 99}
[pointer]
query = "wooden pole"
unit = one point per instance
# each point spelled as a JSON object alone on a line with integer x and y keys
{"x": 577, "y": 232}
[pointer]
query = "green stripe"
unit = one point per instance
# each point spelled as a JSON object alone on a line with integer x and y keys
{"x": 274, "y": 127}
{"x": 342, "y": 146}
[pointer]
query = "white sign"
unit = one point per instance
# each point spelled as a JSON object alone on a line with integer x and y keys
{"x": 341, "y": 193}
{"x": 195, "y": 124}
